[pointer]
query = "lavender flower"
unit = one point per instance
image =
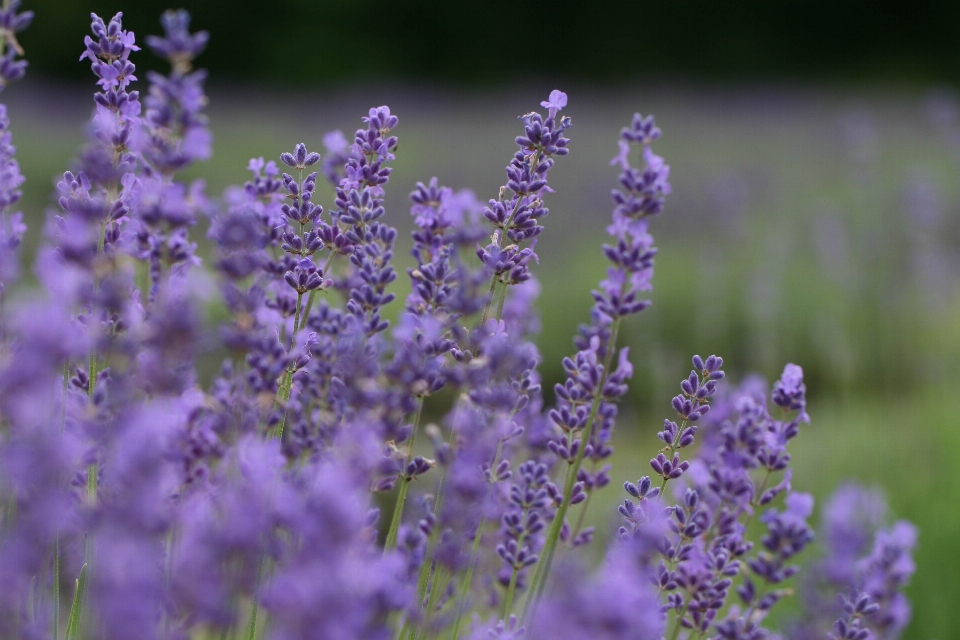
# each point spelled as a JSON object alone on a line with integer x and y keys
{"x": 12, "y": 228}
{"x": 522, "y": 525}
{"x": 175, "y": 103}
{"x": 117, "y": 115}
{"x": 586, "y": 407}
{"x": 707, "y": 547}
{"x": 617, "y": 602}
{"x": 11, "y": 23}
{"x": 885, "y": 572}
{"x": 179, "y": 508}
{"x": 517, "y": 217}
{"x": 11, "y": 223}
{"x": 787, "y": 535}
{"x": 178, "y": 46}
{"x": 339, "y": 151}
{"x": 850, "y": 626}
{"x": 864, "y": 559}
{"x": 174, "y": 135}
{"x": 360, "y": 203}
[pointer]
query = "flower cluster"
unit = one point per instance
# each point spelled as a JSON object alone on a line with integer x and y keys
{"x": 11, "y": 223}
{"x": 743, "y": 450}
{"x": 12, "y": 21}
{"x": 12, "y": 227}
{"x": 855, "y": 589}
{"x": 343, "y": 476}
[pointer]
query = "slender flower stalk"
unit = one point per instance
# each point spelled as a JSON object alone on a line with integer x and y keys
{"x": 174, "y": 136}
{"x": 517, "y": 212}
{"x": 592, "y": 385}
{"x": 411, "y": 469}
{"x": 12, "y": 227}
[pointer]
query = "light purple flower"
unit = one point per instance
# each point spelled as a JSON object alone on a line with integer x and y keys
{"x": 622, "y": 158}
{"x": 556, "y": 102}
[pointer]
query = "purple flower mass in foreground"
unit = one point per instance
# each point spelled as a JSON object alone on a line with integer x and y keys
{"x": 302, "y": 493}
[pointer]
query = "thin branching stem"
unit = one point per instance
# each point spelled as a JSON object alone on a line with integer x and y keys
{"x": 391, "y": 541}
{"x": 549, "y": 549}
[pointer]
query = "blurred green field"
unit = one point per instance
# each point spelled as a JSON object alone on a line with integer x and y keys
{"x": 807, "y": 226}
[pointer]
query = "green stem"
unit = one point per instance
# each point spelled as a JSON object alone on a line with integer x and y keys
{"x": 93, "y": 371}
{"x": 102, "y": 239}
{"x": 426, "y": 570}
{"x": 468, "y": 579}
{"x": 438, "y": 501}
{"x": 56, "y": 539}
{"x": 254, "y": 608}
{"x": 439, "y": 586}
{"x": 283, "y": 396}
{"x": 93, "y": 472}
{"x": 675, "y": 631}
{"x": 296, "y": 319}
{"x": 549, "y": 548}
{"x": 391, "y": 542}
{"x": 405, "y": 629}
{"x": 56, "y": 587}
{"x": 486, "y": 308}
{"x": 32, "y": 600}
{"x": 508, "y": 599}
{"x": 74, "y": 626}
{"x": 503, "y": 297}
{"x": 286, "y": 382}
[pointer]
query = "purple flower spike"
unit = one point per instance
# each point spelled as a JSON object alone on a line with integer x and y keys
{"x": 12, "y": 228}
{"x": 858, "y": 585}
{"x": 641, "y": 130}
{"x": 300, "y": 159}
{"x": 789, "y": 392}
{"x": 178, "y": 45}
{"x": 851, "y": 626}
{"x": 11, "y": 23}
{"x": 199, "y": 508}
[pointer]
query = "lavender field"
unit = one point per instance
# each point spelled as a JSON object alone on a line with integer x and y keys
{"x": 806, "y": 224}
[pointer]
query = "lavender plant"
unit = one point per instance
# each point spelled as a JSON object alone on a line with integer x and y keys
{"x": 138, "y": 502}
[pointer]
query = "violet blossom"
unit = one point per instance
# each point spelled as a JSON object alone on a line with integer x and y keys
{"x": 141, "y": 500}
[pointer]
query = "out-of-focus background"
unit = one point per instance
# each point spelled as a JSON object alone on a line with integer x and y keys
{"x": 815, "y": 153}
